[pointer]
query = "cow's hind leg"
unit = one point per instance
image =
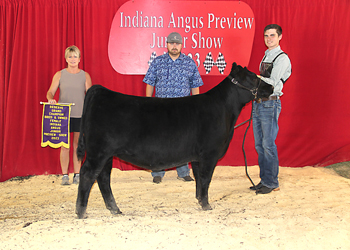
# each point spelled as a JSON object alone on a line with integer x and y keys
{"x": 104, "y": 183}
{"x": 203, "y": 174}
{"x": 87, "y": 178}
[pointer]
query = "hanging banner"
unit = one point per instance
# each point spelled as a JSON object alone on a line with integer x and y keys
{"x": 55, "y": 125}
{"x": 215, "y": 34}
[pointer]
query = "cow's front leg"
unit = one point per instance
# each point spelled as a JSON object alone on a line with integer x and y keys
{"x": 104, "y": 183}
{"x": 205, "y": 174}
{"x": 195, "y": 169}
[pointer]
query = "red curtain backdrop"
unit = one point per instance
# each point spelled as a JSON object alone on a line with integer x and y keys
{"x": 315, "y": 108}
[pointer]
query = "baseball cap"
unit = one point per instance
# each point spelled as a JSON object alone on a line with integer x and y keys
{"x": 174, "y": 37}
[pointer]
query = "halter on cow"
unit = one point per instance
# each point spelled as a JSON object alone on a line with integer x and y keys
{"x": 156, "y": 133}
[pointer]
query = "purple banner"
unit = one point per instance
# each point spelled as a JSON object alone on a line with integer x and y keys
{"x": 55, "y": 125}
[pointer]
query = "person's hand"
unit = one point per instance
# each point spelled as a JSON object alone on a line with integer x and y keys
{"x": 52, "y": 101}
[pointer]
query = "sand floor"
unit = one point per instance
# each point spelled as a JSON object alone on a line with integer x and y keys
{"x": 311, "y": 211}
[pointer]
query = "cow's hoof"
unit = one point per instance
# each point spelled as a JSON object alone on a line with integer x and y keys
{"x": 116, "y": 212}
{"x": 206, "y": 207}
{"x": 81, "y": 212}
{"x": 82, "y": 216}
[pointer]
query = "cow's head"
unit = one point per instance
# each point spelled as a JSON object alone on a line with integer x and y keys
{"x": 250, "y": 81}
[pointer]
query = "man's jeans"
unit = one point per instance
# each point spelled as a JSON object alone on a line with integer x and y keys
{"x": 265, "y": 128}
{"x": 181, "y": 172}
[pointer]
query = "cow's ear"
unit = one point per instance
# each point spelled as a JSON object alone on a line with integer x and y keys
{"x": 234, "y": 68}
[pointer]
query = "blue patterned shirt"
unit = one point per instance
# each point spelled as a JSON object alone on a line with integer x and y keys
{"x": 173, "y": 78}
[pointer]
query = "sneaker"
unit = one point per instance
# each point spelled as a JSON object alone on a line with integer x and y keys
{"x": 65, "y": 180}
{"x": 157, "y": 179}
{"x": 186, "y": 178}
{"x": 76, "y": 179}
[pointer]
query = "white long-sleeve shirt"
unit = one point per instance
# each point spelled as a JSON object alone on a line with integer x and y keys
{"x": 282, "y": 69}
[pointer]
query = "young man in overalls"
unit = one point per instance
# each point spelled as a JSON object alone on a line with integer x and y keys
{"x": 275, "y": 69}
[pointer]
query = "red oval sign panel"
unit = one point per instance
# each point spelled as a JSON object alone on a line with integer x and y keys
{"x": 215, "y": 34}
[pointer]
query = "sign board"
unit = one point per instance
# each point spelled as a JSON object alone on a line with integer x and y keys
{"x": 215, "y": 34}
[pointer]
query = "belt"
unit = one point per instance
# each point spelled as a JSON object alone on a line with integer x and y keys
{"x": 273, "y": 97}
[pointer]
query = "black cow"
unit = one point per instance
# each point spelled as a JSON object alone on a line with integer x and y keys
{"x": 156, "y": 133}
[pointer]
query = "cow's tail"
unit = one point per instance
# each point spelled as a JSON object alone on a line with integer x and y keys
{"x": 81, "y": 146}
{"x": 81, "y": 142}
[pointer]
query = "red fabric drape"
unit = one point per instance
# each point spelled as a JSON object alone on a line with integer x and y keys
{"x": 34, "y": 34}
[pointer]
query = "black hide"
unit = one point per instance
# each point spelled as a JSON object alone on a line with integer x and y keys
{"x": 155, "y": 133}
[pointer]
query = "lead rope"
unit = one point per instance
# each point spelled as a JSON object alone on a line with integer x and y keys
{"x": 245, "y": 158}
{"x": 255, "y": 93}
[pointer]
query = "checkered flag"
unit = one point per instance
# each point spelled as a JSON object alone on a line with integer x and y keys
{"x": 220, "y": 63}
{"x": 153, "y": 56}
{"x": 209, "y": 63}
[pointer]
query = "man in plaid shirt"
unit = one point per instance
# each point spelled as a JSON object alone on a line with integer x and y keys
{"x": 173, "y": 75}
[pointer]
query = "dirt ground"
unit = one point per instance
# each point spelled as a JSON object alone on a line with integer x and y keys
{"x": 311, "y": 211}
